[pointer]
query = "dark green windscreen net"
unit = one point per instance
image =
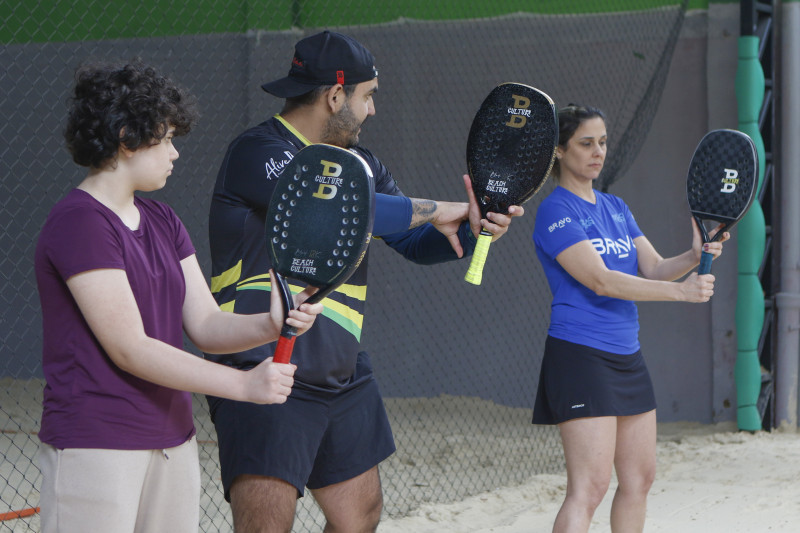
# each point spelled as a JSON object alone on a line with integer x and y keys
{"x": 458, "y": 367}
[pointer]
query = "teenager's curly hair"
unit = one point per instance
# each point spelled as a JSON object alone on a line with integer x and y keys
{"x": 129, "y": 105}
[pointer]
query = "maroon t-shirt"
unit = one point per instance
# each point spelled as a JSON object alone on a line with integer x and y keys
{"x": 89, "y": 402}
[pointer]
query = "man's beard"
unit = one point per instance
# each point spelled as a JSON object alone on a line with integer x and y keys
{"x": 342, "y": 128}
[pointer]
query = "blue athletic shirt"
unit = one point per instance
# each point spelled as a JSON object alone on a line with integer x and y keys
{"x": 325, "y": 355}
{"x": 578, "y": 314}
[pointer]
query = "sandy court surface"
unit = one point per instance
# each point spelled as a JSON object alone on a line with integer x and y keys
{"x": 710, "y": 479}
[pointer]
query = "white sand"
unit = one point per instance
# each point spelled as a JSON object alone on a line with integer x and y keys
{"x": 710, "y": 479}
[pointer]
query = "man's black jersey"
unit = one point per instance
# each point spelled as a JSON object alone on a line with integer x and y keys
{"x": 326, "y": 354}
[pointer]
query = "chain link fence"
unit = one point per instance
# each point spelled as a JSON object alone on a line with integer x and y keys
{"x": 456, "y": 363}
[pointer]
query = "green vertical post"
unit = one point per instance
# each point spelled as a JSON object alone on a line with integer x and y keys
{"x": 751, "y": 243}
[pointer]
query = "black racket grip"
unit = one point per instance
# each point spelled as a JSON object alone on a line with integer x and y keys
{"x": 283, "y": 351}
{"x": 285, "y": 293}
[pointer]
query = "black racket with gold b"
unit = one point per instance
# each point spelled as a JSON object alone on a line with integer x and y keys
{"x": 510, "y": 151}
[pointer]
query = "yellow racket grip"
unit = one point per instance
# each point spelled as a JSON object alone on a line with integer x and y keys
{"x": 475, "y": 272}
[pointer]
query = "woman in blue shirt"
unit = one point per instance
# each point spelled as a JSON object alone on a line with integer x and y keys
{"x": 594, "y": 383}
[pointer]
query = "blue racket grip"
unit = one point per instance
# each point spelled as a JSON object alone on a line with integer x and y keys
{"x": 705, "y": 263}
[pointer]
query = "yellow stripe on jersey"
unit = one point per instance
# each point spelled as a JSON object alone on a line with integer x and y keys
{"x": 227, "y": 278}
{"x": 359, "y": 292}
{"x": 294, "y": 131}
{"x": 262, "y": 280}
{"x": 345, "y": 316}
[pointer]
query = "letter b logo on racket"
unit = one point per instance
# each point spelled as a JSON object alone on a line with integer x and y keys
{"x": 721, "y": 184}
{"x": 327, "y": 190}
{"x": 730, "y": 180}
{"x": 519, "y": 111}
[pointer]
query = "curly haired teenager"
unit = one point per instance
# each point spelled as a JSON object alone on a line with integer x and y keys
{"x": 119, "y": 285}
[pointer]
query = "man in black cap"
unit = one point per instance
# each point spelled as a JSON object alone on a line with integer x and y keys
{"x": 333, "y": 431}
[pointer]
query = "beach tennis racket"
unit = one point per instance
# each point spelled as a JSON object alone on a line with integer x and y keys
{"x": 721, "y": 184}
{"x": 319, "y": 224}
{"x": 510, "y": 151}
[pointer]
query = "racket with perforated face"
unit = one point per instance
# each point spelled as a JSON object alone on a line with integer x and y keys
{"x": 319, "y": 224}
{"x": 510, "y": 151}
{"x": 721, "y": 183}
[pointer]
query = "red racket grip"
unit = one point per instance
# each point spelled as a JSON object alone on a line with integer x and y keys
{"x": 283, "y": 352}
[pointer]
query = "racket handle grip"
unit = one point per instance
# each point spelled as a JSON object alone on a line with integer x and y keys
{"x": 283, "y": 351}
{"x": 705, "y": 263}
{"x": 475, "y": 272}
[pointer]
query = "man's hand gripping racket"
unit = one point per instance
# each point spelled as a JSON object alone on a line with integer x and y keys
{"x": 721, "y": 183}
{"x": 510, "y": 151}
{"x": 319, "y": 224}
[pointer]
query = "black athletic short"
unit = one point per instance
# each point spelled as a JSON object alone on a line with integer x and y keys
{"x": 578, "y": 381}
{"x": 315, "y": 439}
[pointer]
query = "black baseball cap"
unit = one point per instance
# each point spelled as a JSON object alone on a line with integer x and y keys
{"x": 325, "y": 58}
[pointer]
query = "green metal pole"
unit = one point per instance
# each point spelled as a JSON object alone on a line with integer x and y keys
{"x": 751, "y": 243}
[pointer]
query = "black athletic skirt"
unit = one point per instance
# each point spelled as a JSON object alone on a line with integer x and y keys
{"x": 578, "y": 381}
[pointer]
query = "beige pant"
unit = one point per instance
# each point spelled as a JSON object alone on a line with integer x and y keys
{"x": 120, "y": 491}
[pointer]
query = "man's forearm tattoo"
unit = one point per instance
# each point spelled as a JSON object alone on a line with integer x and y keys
{"x": 422, "y": 211}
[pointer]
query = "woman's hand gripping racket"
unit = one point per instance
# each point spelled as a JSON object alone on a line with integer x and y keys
{"x": 319, "y": 224}
{"x": 510, "y": 151}
{"x": 721, "y": 184}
